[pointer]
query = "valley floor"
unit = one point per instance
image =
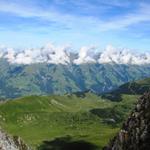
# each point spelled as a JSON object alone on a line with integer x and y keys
{"x": 58, "y": 119}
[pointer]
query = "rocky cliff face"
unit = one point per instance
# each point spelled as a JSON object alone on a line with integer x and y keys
{"x": 135, "y": 132}
{"x": 11, "y": 143}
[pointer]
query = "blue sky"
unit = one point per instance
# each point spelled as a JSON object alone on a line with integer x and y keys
{"x": 32, "y": 23}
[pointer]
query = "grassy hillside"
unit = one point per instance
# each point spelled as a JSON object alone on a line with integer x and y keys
{"x": 132, "y": 88}
{"x": 136, "y": 87}
{"x": 79, "y": 117}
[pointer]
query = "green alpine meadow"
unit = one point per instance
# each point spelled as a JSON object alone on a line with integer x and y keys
{"x": 80, "y": 116}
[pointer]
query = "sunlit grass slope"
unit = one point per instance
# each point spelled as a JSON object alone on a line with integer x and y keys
{"x": 85, "y": 116}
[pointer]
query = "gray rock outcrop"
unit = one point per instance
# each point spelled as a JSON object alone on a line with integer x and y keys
{"x": 135, "y": 132}
{"x": 11, "y": 143}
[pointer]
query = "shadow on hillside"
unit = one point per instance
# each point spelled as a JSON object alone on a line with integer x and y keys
{"x": 66, "y": 143}
{"x": 112, "y": 96}
{"x": 111, "y": 116}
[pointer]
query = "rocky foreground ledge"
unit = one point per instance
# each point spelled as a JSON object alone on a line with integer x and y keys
{"x": 11, "y": 143}
{"x": 135, "y": 132}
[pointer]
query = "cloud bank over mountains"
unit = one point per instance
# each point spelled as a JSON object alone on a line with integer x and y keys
{"x": 62, "y": 55}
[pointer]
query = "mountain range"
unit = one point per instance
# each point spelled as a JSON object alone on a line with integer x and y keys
{"x": 18, "y": 80}
{"x": 56, "y": 70}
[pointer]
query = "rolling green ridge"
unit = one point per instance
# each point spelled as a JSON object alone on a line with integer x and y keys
{"x": 87, "y": 117}
{"x": 136, "y": 87}
{"x": 44, "y": 79}
{"x": 133, "y": 88}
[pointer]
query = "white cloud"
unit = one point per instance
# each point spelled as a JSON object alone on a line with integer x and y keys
{"x": 9, "y": 55}
{"x": 123, "y": 56}
{"x": 85, "y": 55}
{"x": 48, "y": 54}
{"x": 62, "y": 55}
{"x": 2, "y": 47}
